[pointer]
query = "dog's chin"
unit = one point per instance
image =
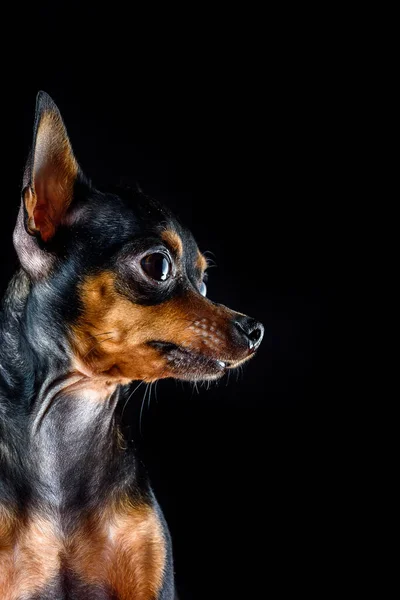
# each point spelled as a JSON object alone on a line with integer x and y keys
{"x": 189, "y": 365}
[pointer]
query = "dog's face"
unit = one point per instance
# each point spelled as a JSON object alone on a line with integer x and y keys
{"x": 134, "y": 276}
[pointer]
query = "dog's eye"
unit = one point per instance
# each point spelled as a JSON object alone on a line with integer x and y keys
{"x": 157, "y": 266}
{"x": 203, "y": 285}
{"x": 203, "y": 289}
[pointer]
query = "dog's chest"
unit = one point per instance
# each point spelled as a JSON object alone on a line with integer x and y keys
{"x": 118, "y": 554}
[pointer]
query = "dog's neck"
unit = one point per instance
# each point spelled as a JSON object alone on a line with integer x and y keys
{"x": 59, "y": 419}
{"x": 74, "y": 441}
{"x": 36, "y": 358}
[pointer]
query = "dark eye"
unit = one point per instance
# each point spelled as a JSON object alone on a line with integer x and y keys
{"x": 157, "y": 266}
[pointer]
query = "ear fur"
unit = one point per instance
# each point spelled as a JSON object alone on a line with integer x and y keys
{"x": 50, "y": 173}
{"x": 48, "y": 187}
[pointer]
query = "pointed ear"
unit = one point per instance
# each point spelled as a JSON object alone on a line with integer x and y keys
{"x": 50, "y": 173}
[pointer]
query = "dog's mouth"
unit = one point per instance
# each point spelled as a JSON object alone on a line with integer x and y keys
{"x": 184, "y": 363}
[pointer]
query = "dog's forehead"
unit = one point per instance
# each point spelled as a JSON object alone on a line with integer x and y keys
{"x": 139, "y": 216}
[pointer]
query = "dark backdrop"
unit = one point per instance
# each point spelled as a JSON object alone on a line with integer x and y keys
{"x": 241, "y": 143}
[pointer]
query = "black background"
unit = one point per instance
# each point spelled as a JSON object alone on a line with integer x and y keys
{"x": 236, "y": 127}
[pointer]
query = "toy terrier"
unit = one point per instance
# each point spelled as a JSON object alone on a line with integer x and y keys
{"x": 111, "y": 289}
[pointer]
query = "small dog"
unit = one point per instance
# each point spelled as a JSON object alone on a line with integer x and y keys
{"x": 112, "y": 288}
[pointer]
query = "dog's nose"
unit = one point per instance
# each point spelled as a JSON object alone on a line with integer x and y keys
{"x": 251, "y": 330}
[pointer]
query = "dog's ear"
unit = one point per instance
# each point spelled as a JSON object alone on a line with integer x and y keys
{"x": 50, "y": 173}
{"x": 48, "y": 187}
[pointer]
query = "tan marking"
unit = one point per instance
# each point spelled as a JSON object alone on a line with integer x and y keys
{"x": 172, "y": 239}
{"x": 29, "y": 558}
{"x": 201, "y": 262}
{"x": 123, "y": 549}
{"x": 7, "y": 525}
{"x": 124, "y": 354}
{"x": 7, "y": 528}
{"x": 54, "y": 174}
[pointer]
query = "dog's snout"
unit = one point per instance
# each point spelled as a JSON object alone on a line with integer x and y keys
{"x": 250, "y": 330}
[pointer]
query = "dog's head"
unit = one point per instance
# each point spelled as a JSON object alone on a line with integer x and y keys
{"x": 126, "y": 277}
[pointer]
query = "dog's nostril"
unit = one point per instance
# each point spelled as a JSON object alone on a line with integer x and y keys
{"x": 256, "y": 334}
{"x": 252, "y": 330}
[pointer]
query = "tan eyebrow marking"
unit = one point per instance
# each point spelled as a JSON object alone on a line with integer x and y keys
{"x": 173, "y": 240}
{"x": 201, "y": 262}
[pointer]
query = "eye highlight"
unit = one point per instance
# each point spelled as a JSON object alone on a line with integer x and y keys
{"x": 157, "y": 266}
{"x": 203, "y": 289}
{"x": 203, "y": 285}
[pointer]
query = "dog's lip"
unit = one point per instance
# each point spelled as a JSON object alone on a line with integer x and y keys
{"x": 167, "y": 347}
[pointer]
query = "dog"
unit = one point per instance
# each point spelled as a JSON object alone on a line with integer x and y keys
{"x": 111, "y": 289}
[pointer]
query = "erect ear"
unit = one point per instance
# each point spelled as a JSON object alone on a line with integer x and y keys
{"x": 50, "y": 173}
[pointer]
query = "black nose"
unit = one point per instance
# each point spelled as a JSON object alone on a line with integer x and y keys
{"x": 251, "y": 330}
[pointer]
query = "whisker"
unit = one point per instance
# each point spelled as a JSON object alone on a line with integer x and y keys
{"x": 155, "y": 391}
{"x": 105, "y": 333}
{"x": 149, "y": 397}
{"x": 129, "y": 397}
{"x": 141, "y": 409}
{"x": 96, "y": 344}
{"x": 208, "y": 256}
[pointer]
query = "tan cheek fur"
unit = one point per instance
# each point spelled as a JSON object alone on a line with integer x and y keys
{"x": 111, "y": 336}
